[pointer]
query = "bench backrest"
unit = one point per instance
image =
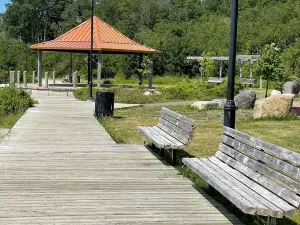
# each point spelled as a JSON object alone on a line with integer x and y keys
{"x": 176, "y": 125}
{"x": 274, "y": 167}
{"x": 248, "y": 81}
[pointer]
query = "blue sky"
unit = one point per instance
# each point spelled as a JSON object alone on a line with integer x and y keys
{"x": 2, "y": 5}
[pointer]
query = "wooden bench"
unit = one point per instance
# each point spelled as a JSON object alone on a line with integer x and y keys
{"x": 215, "y": 80}
{"x": 259, "y": 178}
{"x": 246, "y": 81}
{"x": 173, "y": 131}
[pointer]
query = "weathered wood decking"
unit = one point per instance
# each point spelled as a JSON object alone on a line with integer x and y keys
{"x": 59, "y": 166}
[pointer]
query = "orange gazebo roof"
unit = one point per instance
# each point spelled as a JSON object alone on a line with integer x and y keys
{"x": 106, "y": 39}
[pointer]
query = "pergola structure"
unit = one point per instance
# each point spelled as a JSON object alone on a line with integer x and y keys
{"x": 240, "y": 58}
{"x": 107, "y": 40}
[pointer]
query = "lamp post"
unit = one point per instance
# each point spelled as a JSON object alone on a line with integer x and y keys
{"x": 90, "y": 75}
{"x": 230, "y": 107}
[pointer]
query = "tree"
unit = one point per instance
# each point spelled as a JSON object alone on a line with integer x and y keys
{"x": 269, "y": 66}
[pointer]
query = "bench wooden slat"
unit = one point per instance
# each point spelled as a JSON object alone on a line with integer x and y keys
{"x": 264, "y": 207}
{"x": 269, "y": 160}
{"x": 174, "y": 134}
{"x": 272, "y": 149}
{"x": 162, "y": 137}
{"x": 173, "y": 127}
{"x": 169, "y": 137}
{"x": 240, "y": 201}
{"x": 178, "y": 116}
{"x": 262, "y": 191}
{"x": 261, "y": 168}
{"x": 279, "y": 190}
{"x": 176, "y": 122}
{"x": 153, "y": 138}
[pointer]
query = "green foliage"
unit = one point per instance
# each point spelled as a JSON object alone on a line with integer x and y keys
{"x": 208, "y": 67}
{"x": 14, "y": 101}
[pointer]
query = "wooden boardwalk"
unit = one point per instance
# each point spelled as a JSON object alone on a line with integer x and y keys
{"x": 59, "y": 166}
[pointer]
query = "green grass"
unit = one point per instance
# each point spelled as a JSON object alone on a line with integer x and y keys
{"x": 9, "y": 121}
{"x": 283, "y": 132}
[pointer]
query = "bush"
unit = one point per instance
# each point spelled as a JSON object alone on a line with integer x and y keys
{"x": 14, "y": 101}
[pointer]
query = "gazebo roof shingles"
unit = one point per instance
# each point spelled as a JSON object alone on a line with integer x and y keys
{"x": 106, "y": 39}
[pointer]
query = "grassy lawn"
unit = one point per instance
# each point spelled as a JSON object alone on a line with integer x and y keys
{"x": 10, "y": 120}
{"x": 206, "y": 140}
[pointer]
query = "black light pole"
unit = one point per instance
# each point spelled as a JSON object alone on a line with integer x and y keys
{"x": 230, "y": 107}
{"x": 91, "y": 55}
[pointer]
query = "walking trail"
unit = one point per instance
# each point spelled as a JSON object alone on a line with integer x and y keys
{"x": 59, "y": 166}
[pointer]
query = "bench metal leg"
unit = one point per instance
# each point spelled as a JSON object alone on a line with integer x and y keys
{"x": 271, "y": 221}
{"x": 162, "y": 152}
{"x": 174, "y": 155}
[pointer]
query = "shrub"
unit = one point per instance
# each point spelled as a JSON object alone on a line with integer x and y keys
{"x": 13, "y": 101}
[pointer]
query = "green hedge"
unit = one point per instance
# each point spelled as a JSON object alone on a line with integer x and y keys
{"x": 14, "y": 101}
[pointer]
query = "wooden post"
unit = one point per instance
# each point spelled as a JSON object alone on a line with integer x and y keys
{"x": 71, "y": 67}
{"x": 40, "y": 68}
{"x": 33, "y": 77}
{"x": 53, "y": 77}
{"x": 251, "y": 71}
{"x": 25, "y": 79}
{"x": 150, "y": 76}
{"x": 18, "y": 78}
{"x": 46, "y": 79}
{"x": 241, "y": 69}
{"x": 99, "y": 70}
{"x": 74, "y": 79}
{"x": 221, "y": 70}
{"x": 141, "y": 59}
{"x": 12, "y": 78}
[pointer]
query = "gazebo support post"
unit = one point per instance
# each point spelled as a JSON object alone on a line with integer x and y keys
{"x": 151, "y": 76}
{"x": 99, "y": 70}
{"x": 71, "y": 68}
{"x": 141, "y": 59}
{"x": 251, "y": 71}
{"x": 221, "y": 70}
{"x": 89, "y": 69}
{"x": 40, "y": 68}
{"x": 241, "y": 69}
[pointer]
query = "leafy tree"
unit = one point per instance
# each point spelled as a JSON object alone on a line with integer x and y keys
{"x": 269, "y": 66}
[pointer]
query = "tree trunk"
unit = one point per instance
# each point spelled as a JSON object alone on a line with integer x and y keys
{"x": 267, "y": 89}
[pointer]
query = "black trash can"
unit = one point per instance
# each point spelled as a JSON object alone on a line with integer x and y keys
{"x": 104, "y": 104}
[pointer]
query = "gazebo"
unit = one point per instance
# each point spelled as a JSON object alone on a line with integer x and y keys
{"x": 107, "y": 40}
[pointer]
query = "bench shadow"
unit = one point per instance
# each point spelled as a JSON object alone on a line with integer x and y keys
{"x": 222, "y": 204}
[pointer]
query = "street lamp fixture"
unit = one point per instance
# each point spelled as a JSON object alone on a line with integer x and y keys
{"x": 79, "y": 20}
{"x": 230, "y": 107}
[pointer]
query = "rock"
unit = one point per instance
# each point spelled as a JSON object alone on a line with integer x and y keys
{"x": 276, "y": 93}
{"x": 275, "y": 106}
{"x": 147, "y": 93}
{"x": 220, "y": 102}
{"x": 245, "y": 100}
{"x": 201, "y": 105}
{"x": 157, "y": 92}
{"x": 291, "y": 88}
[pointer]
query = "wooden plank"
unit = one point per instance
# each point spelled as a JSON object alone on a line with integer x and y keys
{"x": 261, "y": 168}
{"x": 277, "y": 189}
{"x": 219, "y": 183}
{"x": 262, "y": 191}
{"x": 178, "y": 116}
{"x": 272, "y": 149}
{"x": 178, "y": 144}
{"x": 173, "y": 133}
{"x": 163, "y": 137}
{"x": 177, "y": 122}
{"x": 273, "y": 162}
{"x": 153, "y": 138}
{"x": 173, "y": 127}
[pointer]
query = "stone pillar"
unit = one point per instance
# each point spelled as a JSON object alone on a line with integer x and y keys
{"x": 18, "y": 78}
{"x": 40, "y": 68}
{"x": 99, "y": 70}
{"x": 25, "y": 79}
{"x": 33, "y": 77}
{"x": 53, "y": 77}
{"x": 150, "y": 76}
{"x": 74, "y": 79}
{"x": 12, "y": 78}
{"x": 46, "y": 79}
{"x": 221, "y": 70}
{"x": 241, "y": 69}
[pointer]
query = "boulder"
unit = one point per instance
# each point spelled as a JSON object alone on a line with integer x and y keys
{"x": 274, "y": 106}
{"x": 201, "y": 105}
{"x": 245, "y": 100}
{"x": 220, "y": 102}
{"x": 157, "y": 92}
{"x": 147, "y": 93}
{"x": 276, "y": 93}
{"x": 291, "y": 88}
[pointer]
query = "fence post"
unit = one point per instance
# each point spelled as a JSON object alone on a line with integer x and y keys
{"x": 25, "y": 79}
{"x": 18, "y": 78}
{"x": 46, "y": 79}
{"x": 74, "y": 79}
{"x": 53, "y": 77}
{"x": 33, "y": 77}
